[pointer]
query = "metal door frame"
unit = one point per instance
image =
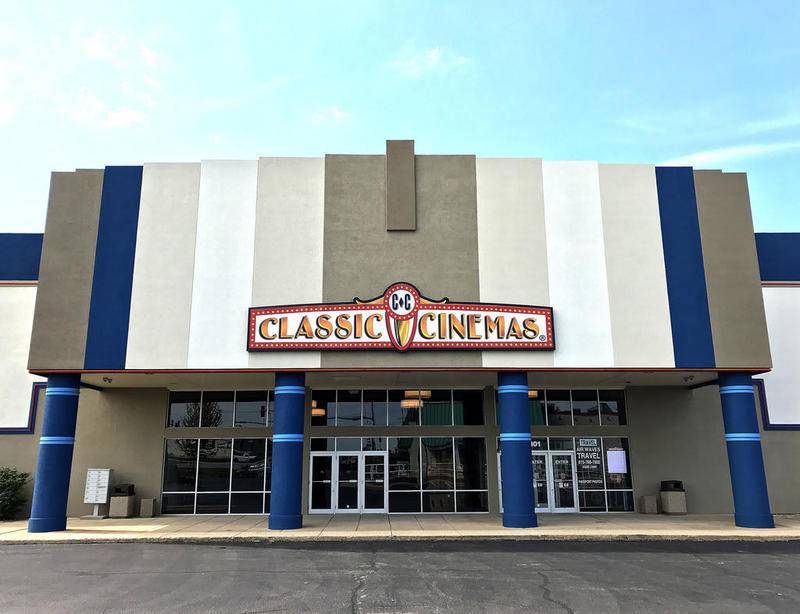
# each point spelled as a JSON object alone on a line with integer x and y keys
{"x": 551, "y": 482}
{"x": 330, "y": 510}
{"x": 362, "y": 479}
{"x": 334, "y": 483}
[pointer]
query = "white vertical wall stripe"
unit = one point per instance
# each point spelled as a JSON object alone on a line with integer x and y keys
{"x": 512, "y": 250}
{"x": 637, "y": 282}
{"x": 223, "y": 272}
{"x": 288, "y": 244}
{"x": 16, "y": 315}
{"x": 782, "y": 304}
{"x": 576, "y": 265}
{"x": 161, "y": 297}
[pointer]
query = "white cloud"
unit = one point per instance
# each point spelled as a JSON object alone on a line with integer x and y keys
{"x": 331, "y": 115}
{"x": 7, "y": 111}
{"x": 123, "y": 117}
{"x": 734, "y": 153}
{"x": 413, "y": 63}
{"x": 149, "y": 56}
{"x": 106, "y": 47}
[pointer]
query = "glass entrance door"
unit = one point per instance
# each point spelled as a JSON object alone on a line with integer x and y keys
{"x": 348, "y": 482}
{"x": 563, "y": 485}
{"x": 321, "y": 477}
{"x": 540, "y": 483}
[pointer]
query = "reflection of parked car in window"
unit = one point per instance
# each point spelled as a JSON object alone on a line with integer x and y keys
{"x": 244, "y": 457}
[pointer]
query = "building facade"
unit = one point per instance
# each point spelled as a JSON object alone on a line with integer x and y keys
{"x": 402, "y": 333}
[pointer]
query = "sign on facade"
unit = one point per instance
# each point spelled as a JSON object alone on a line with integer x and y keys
{"x": 401, "y": 319}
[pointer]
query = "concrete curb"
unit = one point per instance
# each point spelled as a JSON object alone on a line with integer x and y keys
{"x": 268, "y": 540}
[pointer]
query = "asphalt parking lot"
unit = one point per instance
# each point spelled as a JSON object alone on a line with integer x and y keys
{"x": 401, "y": 576}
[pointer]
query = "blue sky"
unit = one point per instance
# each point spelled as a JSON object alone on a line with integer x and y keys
{"x": 712, "y": 84}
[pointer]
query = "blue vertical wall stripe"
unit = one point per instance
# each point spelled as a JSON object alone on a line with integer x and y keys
{"x": 19, "y": 256}
{"x": 683, "y": 259}
{"x": 109, "y": 311}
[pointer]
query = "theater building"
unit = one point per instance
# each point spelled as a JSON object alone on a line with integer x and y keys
{"x": 402, "y": 333}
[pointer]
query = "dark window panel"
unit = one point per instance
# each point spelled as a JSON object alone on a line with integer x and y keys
{"x": 593, "y": 501}
{"x": 437, "y": 408}
{"x": 612, "y": 408}
{"x": 470, "y": 463}
{"x": 437, "y": 463}
{"x": 323, "y": 407}
{"x": 217, "y": 409}
{"x": 370, "y": 444}
{"x": 247, "y": 503}
{"x": 404, "y": 502}
{"x": 561, "y": 443}
{"x": 348, "y": 408}
{"x": 585, "y": 410}
{"x": 177, "y": 504}
{"x": 620, "y": 501}
{"x": 249, "y": 459}
{"x": 348, "y": 444}
{"x": 537, "y": 407}
{"x": 438, "y": 502}
{"x": 617, "y": 461}
{"x": 184, "y": 409}
{"x": 322, "y": 444}
{"x": 403, "y": 463}
{"x": 375, "y": 408}
{"x": 252, "y": 408}
{"x": 468, "y": 407}
{"x": 472, "y": 501}
{"x": 180, "y": 464}
{"x": 212, "y": 503}
{"x": 214, "y": 465}
{"x": 403, "y": 407}
{"x": 266, "y": 502}
{"x": 321, "y": 496}
{"x": 558, "y": 408}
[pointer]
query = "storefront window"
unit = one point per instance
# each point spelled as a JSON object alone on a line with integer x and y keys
{"x": 184, "y": 409}
{"x": 375, "y": 408}
{"x": 254, "y": 408}
{"x": 470, "y": 460}
{"x": 437, "y": 463}
{"x": 536, "y": 404}
{"x": 403, "y": 463}
{"x": 585, "y": 410}
{"x": 348, "y": 444}
{"x": 404, "y": 406}
{"x": 589, "y": 465}
{"x": 202, "y": 468}
{"x": 615, "y": 454}
{"x": 371, "y": 444}
{"x": 467, "y": 407}
{"x": 437, "y": 408}
{"x": 214, "y": 468}
{"x": 217, "y": 409}
{"x": 348, "y": 408}
{"x": 612, "y": 408}
{"x": 323, "y": 407}
{"x": 180, "y": 464}
{"x": 559, "y": 411}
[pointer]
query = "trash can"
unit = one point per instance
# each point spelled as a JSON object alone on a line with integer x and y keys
{"x": 673, "y": 497}
{"x": 123, "y": 501}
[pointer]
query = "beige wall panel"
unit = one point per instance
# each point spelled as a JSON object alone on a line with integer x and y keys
{"x": 677, "y": 434}
{"x": 161, "y": 299}
{"x": 22, "y": 451}
{"x": 735, "y": 304}
{"x": 362, "y": 258}
{"x": 58, "y": 340}
{"x": 637, "y": 282}
{"x": 287, "y": 267}
{"x": 512, "y": 247}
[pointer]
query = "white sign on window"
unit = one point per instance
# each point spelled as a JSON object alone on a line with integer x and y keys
{"x": 97, "y": 482}
{"x": 616, "y": 460}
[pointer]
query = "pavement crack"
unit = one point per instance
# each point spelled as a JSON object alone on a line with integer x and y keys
{"x": 548, "y": 596}
{"x": 361, "y": 582}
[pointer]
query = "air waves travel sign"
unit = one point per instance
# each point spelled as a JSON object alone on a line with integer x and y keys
{"x": 400, "y": 319}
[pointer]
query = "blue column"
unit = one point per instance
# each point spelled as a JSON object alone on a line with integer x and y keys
{"x": 749, "y": 482}
{"x": 516, "y": 467}
{"x": 51, "y": 487}
{"x": 286, "y": 500}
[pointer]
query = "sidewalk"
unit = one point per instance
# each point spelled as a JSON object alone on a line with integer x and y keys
{"x": 574, "y": 527}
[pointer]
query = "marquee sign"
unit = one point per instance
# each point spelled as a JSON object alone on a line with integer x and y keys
{"x": 401, "y": 319}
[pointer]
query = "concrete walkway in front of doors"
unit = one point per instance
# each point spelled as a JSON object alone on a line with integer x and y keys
{"x": 344, "y": 527}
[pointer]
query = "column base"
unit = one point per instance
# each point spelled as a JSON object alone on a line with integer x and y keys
{"x": 282, "y": 522}
{"x": 754, "y": 521}
{"x": 519, "y": 521}
{"x": 46, "y": 525}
